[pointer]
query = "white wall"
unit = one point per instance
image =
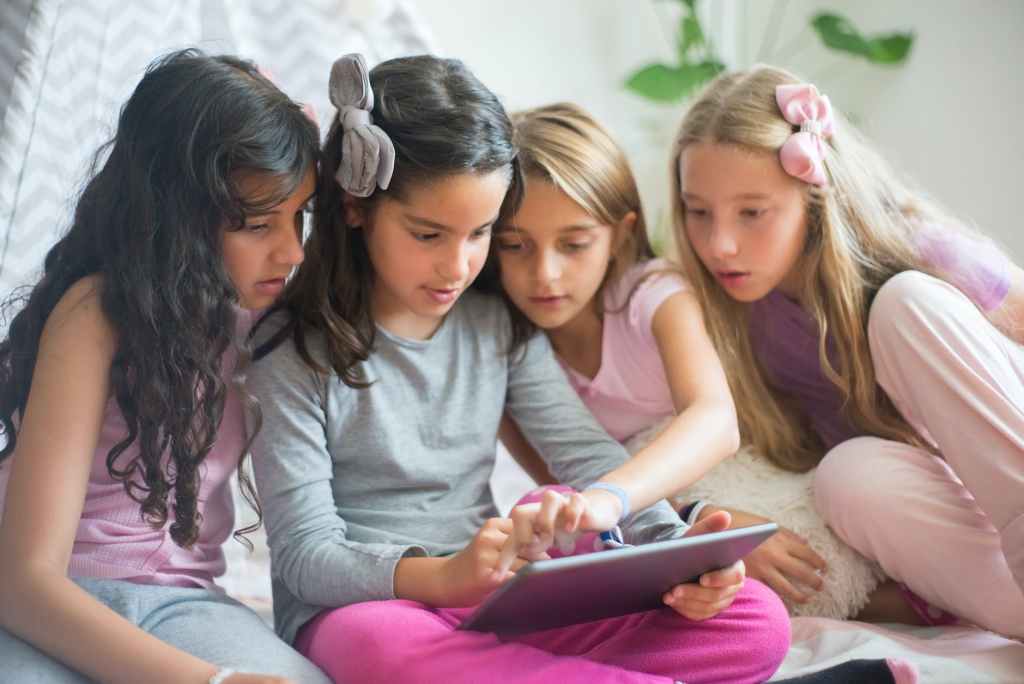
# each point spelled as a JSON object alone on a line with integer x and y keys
{"x": 948, "y": 117}
{"x": 533, "y": 52}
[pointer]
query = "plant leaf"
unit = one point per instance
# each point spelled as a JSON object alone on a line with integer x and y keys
{"x": 692, "y": 34}
{"x": 664, "y": 83}
{"x": 658, "y": 82}
{"x": 891, "y": 49}
{"x": 712, "y": 67}
{"x": 839, "y": 33}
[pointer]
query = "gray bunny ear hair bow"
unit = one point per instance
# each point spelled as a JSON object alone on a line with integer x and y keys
{"x": 367, "y": 153}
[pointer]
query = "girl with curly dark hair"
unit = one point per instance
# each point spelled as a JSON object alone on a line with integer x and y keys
{"x": 119, "y": 388}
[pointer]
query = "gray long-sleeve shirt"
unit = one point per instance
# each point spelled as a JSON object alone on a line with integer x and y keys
{"x": 353, "y": 480}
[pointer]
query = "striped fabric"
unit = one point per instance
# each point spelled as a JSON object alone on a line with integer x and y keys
{"x": 67, "y": 65}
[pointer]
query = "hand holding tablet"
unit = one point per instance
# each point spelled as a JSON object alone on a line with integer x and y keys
{"x": 554, "y": 593}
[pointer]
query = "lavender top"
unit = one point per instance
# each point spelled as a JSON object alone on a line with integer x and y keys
{"x": 785, "y": 337}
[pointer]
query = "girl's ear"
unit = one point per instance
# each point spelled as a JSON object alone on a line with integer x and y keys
{"x": 624, "y": 229}
{"x": 627, "y": 224}
{"x": 355, "y": 210}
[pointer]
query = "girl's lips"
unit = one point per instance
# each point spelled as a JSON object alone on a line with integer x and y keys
{"x": 273, "y": 286}
{"x": 443, "y": 296}
{"x": 732, "y": 277}
{"x": 552, "y": 301}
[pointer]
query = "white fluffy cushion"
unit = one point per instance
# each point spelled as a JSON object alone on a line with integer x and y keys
{"x": 751, "y": 483}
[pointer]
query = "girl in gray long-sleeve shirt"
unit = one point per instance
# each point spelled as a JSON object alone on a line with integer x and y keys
{"x": 382, "y": 384}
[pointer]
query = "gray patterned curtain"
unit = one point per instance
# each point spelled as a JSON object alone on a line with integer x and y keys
{"x": 67, "y": 65}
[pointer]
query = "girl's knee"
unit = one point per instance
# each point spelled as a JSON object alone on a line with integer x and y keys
{"x": 343, "y": 640}
{"x": 903, "y": 293}
{"x": 847, "y": 477}
{"x": 759, "y": 620}
{"x": 356, "y": 622}
{"x": 770, "y": 619}
{"x": 914, "y": 297}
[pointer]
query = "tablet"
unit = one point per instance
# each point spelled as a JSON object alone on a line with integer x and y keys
{"x": 567, "y": 591}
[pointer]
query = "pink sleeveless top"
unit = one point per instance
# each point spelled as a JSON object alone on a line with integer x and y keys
{"x": 115, "y": 542}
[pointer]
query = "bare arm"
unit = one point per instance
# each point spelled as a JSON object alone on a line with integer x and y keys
{"x": 45, "y": 496}
{"x": 704, "y": 430}
{"x": 523, "y": 452}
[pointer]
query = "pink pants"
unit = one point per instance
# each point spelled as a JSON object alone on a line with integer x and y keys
{"x": 406, "y": 641}
{"x": 951, "y": 528}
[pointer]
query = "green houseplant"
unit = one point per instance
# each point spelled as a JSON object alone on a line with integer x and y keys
{"x": 697, "y": 61}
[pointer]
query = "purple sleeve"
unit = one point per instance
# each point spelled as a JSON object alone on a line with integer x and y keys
{"x": 973, "y": 264}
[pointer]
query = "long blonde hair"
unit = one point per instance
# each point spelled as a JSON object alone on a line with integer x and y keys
{"x": 860, "y": 233}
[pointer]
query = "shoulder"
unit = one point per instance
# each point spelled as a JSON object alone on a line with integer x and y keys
{"x": 78, "y": 320}
{"x": 277, "y": 358}
{"x": 660, "y": 273}
{"x": 655, "y": 278}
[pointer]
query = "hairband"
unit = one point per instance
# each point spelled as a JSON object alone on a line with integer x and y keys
{"x": 803, "y": 153}
{"x": 367, "y": 153}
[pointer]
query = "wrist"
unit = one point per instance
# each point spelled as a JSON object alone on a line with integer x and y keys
{"x": 604, "y": 504}
{"x": 616, "y": 493}
{"x": 422, "y": 579}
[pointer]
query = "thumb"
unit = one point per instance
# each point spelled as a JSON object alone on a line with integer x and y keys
{"x": 716, "y": 522}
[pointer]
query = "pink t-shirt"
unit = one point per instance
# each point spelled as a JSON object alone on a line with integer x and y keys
{"x": 630, "y": 391}
{"x": 114, "y": 542}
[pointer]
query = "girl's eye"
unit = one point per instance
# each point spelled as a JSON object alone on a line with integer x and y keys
{"x": 424, "y": 237}
{"x": 576, "y": 246}
{"x": 509, "y": 241}
{"x": 751, "y": 213}
{"x": 257, "y": 227}
{"x": 481, "y": 232}
{"x": 510, "y": 247}
{"x": 696, "y": 213}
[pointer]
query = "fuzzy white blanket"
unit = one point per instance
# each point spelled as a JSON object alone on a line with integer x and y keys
{"x": 751, "y": 483}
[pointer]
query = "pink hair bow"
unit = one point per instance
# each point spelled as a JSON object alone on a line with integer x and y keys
{"x": 803, "y": 153}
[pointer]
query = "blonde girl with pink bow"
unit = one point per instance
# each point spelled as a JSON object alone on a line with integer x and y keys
{"x": 865, "y": 332}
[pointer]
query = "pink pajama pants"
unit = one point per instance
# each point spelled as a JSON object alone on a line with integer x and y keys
{"x": 951, "y": 528}
{"x": 406, "y": 641}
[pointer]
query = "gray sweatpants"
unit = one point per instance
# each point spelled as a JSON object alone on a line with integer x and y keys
{"x": 206, "y": 624}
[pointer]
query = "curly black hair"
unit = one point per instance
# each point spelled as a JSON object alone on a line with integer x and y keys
{"x": 149, "y": 226}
